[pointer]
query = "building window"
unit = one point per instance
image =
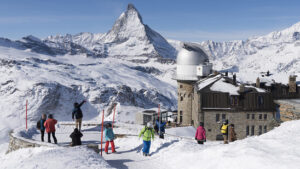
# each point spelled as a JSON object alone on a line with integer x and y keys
{"x": 265, "y": 116}
{"x": 265, "y": 129}
{"x": 223, "y": 116}
{"x": 283, "y": 91}
{"x": 253, "y": 116}
{"x": 248, "y": 116}
{"x": 252, "y": 130}
{"x": 260, "y": 116}
{"x": 180, "y": 118}
{"x": 180, "y": 86}
{"x": 260, "y": 130}
{"x": 217, "y": 117}
{"x": 181, "y": 98}
{"x": 247, "y": 131}
{"x": 234, "y": 100}
{"x": 260, "y": 100}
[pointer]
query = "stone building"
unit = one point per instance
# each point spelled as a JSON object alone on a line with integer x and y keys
{"x": 212, "y": 98}
{"x": 216, "y": 98}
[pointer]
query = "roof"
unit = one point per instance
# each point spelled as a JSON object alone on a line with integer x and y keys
{"x": 224, "y": 84}
{"x": 191, "y": 54}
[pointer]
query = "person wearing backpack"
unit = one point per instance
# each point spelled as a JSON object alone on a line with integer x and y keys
{"x": 40, "y": 126}
{"x": 50, "y": 128}
{"x": 77, "y": 113}
{"x": 224, "y": 131}
{"x": 109, "y": 138}
{"x": 148, "y": 133}
{"x": 76, "y": 137}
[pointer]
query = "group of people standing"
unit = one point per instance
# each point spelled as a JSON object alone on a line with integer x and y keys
{"x": 47, "y": 125}
{"x": 227, "y": 131}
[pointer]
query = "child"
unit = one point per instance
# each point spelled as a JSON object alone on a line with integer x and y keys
{"x": 232, "y": 134}
{"x": 76, "y": 137}
{"x": 200, "y": 134}
{"x": 50, "y": 128}
{"x": 148, "y": 133}
{"x": 109, "y": 138}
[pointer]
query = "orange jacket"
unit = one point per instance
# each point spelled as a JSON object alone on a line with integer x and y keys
{"x": 50, "y": 125}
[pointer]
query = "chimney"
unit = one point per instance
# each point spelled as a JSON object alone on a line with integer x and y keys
{"x": 292, "y": 84}
{"x": 226, "y": 73}
{"x": 268, "y": 73}
{"x": 258, "y": 82}
{"x": 234, "y": 79}
{"x": 242, "y": 88}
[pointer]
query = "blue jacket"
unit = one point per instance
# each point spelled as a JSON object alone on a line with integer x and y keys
{"x": 161, "y": 126}
{"x": 109, "y": 134}
{"x": 42, "y": 125}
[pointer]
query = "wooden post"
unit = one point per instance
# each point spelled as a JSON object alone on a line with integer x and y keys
{"x": 102, "y": 131}
{"x": 114, "y": 116}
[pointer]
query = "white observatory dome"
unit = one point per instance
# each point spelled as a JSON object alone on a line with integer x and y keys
{"x": 189, "y": 59}
{"x": 190, "y": 54}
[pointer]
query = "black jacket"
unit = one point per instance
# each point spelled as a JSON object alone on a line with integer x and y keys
{"x": 77, "y": 111}
{"x": 76, "y": 138}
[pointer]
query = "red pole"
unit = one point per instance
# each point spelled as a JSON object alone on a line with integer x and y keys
{"x": 102, "y": 131}
{"x": 158, "y": 111}
{"x": 114, "y": 116}
{"x": 26, "y": 113}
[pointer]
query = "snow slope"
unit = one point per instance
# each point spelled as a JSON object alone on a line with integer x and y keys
{"x": 277, "y": 149}
{"x": 58, "y": 157}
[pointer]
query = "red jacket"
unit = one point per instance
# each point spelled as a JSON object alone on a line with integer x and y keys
{"x": 200, "y": 133}
{"x": 50, "y": 125}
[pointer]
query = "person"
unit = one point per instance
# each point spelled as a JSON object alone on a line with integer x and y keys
{"x": 41, "y": 127}
{"x": 76, "y": 137}
{"x": 50, "y": 128}
{"x": 109, "y": 138}
{"x": 148, "y": 133}
{"x": 232, "y": 134}
{"x": 78, "y": 114}
{"x": 224, "y": 131}
{"x": 200, "y": 135}
{"x": 160, "y": 128}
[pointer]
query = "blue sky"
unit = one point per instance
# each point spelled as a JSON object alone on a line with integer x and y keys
{"x": 188, "y": 20}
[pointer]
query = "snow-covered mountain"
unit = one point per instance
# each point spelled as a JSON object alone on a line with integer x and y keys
{"x": 129, "y": 36}
{"x": 278, "y": 52}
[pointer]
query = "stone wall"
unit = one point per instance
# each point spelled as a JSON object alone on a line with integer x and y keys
{"x": 16, "y": 143}
{"x": 289, "y": 110}
{"x": 241, "y": 121}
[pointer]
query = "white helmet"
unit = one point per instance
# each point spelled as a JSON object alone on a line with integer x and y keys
{"x": 149, "y": 125}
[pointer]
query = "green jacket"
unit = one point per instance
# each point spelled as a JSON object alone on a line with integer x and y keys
{"x": 147, "y": 133}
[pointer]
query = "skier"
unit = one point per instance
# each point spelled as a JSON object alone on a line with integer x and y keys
{"x": 148, "y": 133}
{"x": 232, "y": 134}
{"x": 200, "y": 135}
{"x": 224, "y": 131}
{"x": 76, "y": 137}
{"x": 50, "y": 128}
{"x": 161, "y": 128}
{"x": 109, "y": 138}
{"x": 41, "y": 127}
{"x": 78, "y": 114}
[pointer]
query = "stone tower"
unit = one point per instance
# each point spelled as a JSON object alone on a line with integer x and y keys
{"x": 292, "y": 84}
{"x": 192, "y": 65}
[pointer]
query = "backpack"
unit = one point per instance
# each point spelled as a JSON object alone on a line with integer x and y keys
{"x": 38, "y": 124}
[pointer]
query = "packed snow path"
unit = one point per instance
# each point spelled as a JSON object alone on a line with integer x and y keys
{"x": 277, "y": 149}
